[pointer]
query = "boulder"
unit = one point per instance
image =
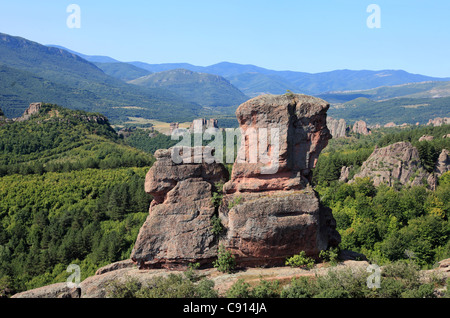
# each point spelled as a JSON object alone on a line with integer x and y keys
{"x": 34, "y": 108}
{"x": 178, "y": 229}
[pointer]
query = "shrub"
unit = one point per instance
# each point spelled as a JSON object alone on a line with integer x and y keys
{"x": 266, "y": 289}
{"x": 239, "y": 289}
{"x": 217, "y": 227}
{"x": 300, "y": 260}
{"x": 331, "y": 255}
{"x": 225, "y": 262}
{"x": 173, "y": 286}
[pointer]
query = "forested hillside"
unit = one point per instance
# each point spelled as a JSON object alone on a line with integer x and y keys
{"x": 72, "y": 192}
{"x": 387, "y": 223}
{"x": 58, "y": 139}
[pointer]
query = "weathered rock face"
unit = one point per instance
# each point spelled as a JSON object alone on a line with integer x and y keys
{"x": 269, "y": 217}
{"x": 400, "y": 162}
{"x": 266, "y": 228}
{"x": 178, "y": 229}
{"x": 443, "y": 163}
{"x": 360, "y": 127}
{"x": 301, "y": 131}
{"x": 337, "y": 127}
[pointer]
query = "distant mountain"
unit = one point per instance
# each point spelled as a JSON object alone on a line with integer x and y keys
{"x": 102, "y": 93}
{"x": 201, "y": 88}
{"x": 123, "y": 71}
{"x": 398, "y": 110}
{"x": 90, "y": 58}
{"x": 410, "y": 90}
{"x": 254, "y": 80}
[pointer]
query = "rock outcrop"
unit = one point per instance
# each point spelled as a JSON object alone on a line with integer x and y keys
{"x": 338, "y": 128}
{"x": 269, "y": 217}
{"x": 267, "y": 214}
{"x": 345, "y": 173}
{"x": 390, "y": 125}
{"x": 178, "y": 230}
{"x": 400, "y": 163}
{"x": 34, "y": 108}
{"x": 426, "y": 138}
{"x": 360, "y": 127}
{"x": 439, "y": 121}
{"x": 443, "y": 163}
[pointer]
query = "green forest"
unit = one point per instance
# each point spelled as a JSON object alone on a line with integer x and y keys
{"x": 387, "y": 223}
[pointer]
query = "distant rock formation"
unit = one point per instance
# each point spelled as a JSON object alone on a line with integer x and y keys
{"x": 204, "y": 124}
{"x": 360, "y": 127}
{"x": 34, "y": 108}
{"x": 174, "y": 126}
{"x": 390, "y": 125}
{"x": 426, "y": 138}
{"x": 345, "y": 173}
{"x": 400, "y": 163}
{"x": 443, "y": 163}
{"x": 439, "y": 121}
{"x": 337, "y": 127}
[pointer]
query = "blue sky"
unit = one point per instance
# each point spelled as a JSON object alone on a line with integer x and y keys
{"x": 309, "y": 36}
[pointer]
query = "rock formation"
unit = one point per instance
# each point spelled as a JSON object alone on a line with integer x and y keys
{"x": 269, "y": 217}
{"x": 426, "y": 138}
{"x": 390, "y": 125}
{"x": 443, "y": 163}
{"x": 34, "y": 108}
{"x": 178, "y": 229}
{"x": 337, "y": 127}
{"x": 302, "y": 133}
{"x": 345, "y": 173}
{"x": 266, "y": 217}
{"x": 360, "y": 127}
{"x": 203, "y": 124}
{"x": 438, "y": 121}
{"x": 400, "y": 162}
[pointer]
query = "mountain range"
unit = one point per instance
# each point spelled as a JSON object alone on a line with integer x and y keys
{"x": 32, "y": 72}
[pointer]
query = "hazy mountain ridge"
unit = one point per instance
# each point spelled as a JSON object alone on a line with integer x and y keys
{"x": 201, "y": 88}
{"x": 88, "y": 84}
